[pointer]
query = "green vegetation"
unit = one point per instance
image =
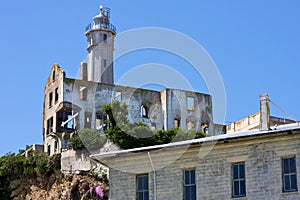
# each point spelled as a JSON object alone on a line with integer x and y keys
{"x": 14, "y": 166}
{"x": 91, "y": 139}
{"x": 76, "y": 143}
{"x": 128, "y": 135}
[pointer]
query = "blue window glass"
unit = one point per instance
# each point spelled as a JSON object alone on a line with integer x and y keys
{"x": 189, "y": 192}
{"x": 289, "y": 175}
{"x": 142, "y": 187}
{"x": 238, "y": 180}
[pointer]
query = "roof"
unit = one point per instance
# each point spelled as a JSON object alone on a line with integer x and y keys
{"x": 225, "y": 137}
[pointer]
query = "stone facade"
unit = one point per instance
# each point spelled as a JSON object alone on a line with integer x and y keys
{"x": 212, "y": 159}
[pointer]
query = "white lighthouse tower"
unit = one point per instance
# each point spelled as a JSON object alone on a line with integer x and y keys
{"x": 100, "y": 34}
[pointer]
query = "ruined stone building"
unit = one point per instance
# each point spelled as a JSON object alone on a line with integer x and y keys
{"x": 71, "y": 105}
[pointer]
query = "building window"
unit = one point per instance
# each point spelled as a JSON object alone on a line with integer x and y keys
{"x": 289, "y": 174}
{"x": 56, "y": 95}
{"x": 100, "y": 121}
{"x": 53, "y": 75}
{"x": 204, "y": 128}
{"x": 118, "y": 96}
{"x": 190, "y": 103}
{"x": 238, "y": 180}
{"x": 50, "y": 99}
{"x": 142, "y": 187}
{"x": 144, "y": 111}
{"x": 105, "y": 38}
{"x": 55, "y": 146}
{"x": 104, "y": 64}
{"x": 49, "y": 125}
{"x": 177, "y": 121}
{"x": 83, "y": 92}
{"x": 88, "y": 120}
{"x": 189, "y": 192}
{"x": 49, "y": 150}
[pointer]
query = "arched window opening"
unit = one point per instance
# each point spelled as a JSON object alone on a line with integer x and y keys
{"x": 144, "y": 111}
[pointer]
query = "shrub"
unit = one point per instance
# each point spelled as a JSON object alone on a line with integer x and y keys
{"x": 92, "y": 139}
{"x": 76, "y": 143}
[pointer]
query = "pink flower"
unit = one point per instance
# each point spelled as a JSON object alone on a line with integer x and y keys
{"x": 91, "y": 190}
{"x": 99, "y": 192}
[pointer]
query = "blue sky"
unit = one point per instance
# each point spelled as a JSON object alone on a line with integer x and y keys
{"x": 255, "y": 45}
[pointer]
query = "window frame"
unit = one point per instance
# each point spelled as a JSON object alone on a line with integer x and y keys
{"x": 239, "y": 180}
{"x": 143, "y": 191}
{"x": 290, "y": 174}
{"x": 190, "y": 184}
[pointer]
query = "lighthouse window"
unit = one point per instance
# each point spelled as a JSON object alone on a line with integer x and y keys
{"x": 105, "y": 38}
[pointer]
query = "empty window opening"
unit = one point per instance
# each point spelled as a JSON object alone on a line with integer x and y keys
{"x": 177, "y": 121}
{"x": 204, "y": 128}
{"x": 100, "y": 121}
{"x": 49, "y": 125}
{"x": 190, "y": 103}
{"x": 50, "y": 99}
{"x": 88, "y": 120}
{"x": 105, "y": 38}
{"x": 56, "y": 95}
{"x": 118, "y": 96}
{"x": 55, "y": 146}
{"x": 66, "y": 121}
{"x": 49, "y": 149}
{"x": 83, "y": 92}
{"x": 190, "y": 125}
{"x": 144, "y": 111}
{"x": 53, "y": 75}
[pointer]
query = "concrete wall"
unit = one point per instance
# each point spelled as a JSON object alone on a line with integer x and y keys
{"x": 190, "y": 117}
{"x": 78, "y": 161}
{"x": 262, "y": 157}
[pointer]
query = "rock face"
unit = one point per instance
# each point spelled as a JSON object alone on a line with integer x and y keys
{"x": 59, "y": 186}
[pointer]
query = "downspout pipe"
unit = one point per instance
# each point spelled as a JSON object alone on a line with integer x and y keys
{"x": 154, "y": 176}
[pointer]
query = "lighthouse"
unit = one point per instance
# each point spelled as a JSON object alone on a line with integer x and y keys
{"x": 100, "y": 35}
